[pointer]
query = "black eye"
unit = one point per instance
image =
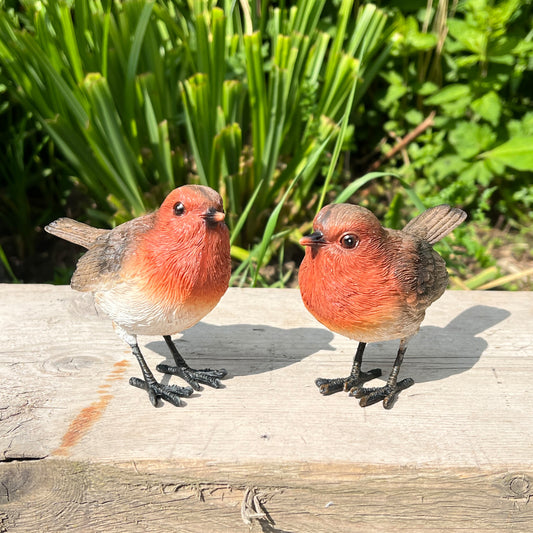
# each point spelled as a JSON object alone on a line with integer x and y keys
{"x": 349, "y": 241}
{"x": 179, "y": 209}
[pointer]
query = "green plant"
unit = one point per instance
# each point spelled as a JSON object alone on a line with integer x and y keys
{"x": 79, "y": 77}
{"x": 478, "y": 152}
{"x": 142, "y": 96}
{"x": 33, "y": 185}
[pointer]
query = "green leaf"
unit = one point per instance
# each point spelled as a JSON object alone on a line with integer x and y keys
{"x": 165, "y": 154}
{"x": 456, "y": 109}
{"x": 471, "y": 38}
{"x": 257, "y": 97}
{"x": 394, "y": 93}
{"x": 516, "y": 153}
{"x": 338, "y": 145}
{"x": 5, "y": 262}
{"x": 496, "y": 167}
{"x": 260, "y": 250}
{"x": 357, "y": 184}
{"x": 414, "y": 117}
{"x": 448, "y": 94}
{"x": 231, "y": 145}
{"x": 522, "y": 127}
{"x": 150, "y": 118}
{"x": 488, "y": 107}
{"x": 478, "y": 172}
{"x": 269, "y": 229}
{"x": 414, "y": 39}
{"x": 245, "y": 213}
{"x": 469, "y": 138}
{"x": 133, "y": 58}
{"x": 427, "y": 88}
{"x": 449, "y": 165}
{"x": 70, "y": 43}
{"x": 112, "y": 141}
{"x": 363, "y": 180}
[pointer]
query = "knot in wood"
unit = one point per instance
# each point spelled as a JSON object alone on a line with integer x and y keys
{"x": 519, "y": 485}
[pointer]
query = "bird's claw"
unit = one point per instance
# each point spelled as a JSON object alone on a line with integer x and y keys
{"x": 355, "y": 382}
{"x": 330, "y": 386}
{"x": 387, "y": 393}
{"x": 171, "y": 393}
{"x": 194, "y": 378}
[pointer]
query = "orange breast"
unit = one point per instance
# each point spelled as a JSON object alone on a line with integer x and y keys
{"x": 362, "y": 303}
{"x": 197, "y": 272}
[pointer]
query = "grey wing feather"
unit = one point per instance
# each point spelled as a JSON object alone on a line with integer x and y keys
{"x": 435, "y": 223}
{"x": 100, "y": 266}
{"x": 422, "y": 273}
{"x": 432, "y": 278}
{"x": 74, "y": 231}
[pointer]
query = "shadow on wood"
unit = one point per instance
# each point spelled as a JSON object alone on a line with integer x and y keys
{"x": 253, "y": 348}
{"x": 436, "y": 353}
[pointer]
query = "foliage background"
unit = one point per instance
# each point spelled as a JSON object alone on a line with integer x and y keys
{"x": 281, "y": 106}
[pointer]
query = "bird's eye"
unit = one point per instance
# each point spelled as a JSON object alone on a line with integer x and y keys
{"x": 349, "y": 241}
{"x": 179, "y": 209}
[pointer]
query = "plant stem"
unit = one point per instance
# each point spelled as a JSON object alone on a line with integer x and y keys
{"x": 423, "y": 126}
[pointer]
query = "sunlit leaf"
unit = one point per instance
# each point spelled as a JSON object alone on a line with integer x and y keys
{"x": 516, "y": 153}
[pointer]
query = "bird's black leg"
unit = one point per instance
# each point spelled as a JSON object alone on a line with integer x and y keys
{"x": 356, "y": 378}
{"x": 193, "y": 377}
{"x": 170, "y": 393}
{"x": 389, "y": 392}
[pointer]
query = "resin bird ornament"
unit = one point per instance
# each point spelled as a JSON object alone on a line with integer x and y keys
{"x": 373, "y": 284}
{"x": 157, "y": 274}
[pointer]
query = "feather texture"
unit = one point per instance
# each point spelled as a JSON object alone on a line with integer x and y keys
{"x": 74, "y": 231}
{"x": 435, "y": 223}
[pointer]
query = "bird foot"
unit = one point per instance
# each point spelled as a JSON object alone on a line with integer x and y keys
{"x": 330, "y": 386}
{"x": 387, "y": 393}
{"x": 156, "y": 391}
{"x": 194, "y": 377}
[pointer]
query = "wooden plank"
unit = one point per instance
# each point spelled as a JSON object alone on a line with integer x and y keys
{"x": 72, "y": 496}
{"x": 455, "y": 452}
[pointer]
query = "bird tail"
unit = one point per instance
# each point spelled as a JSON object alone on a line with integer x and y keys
{"x": 435, "y": 223}
{"x": 74, "y": 231}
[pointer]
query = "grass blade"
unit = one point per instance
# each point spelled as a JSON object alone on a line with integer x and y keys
{"x": 133, "y": 60}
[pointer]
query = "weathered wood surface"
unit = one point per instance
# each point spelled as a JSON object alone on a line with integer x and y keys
{"x": 81, "y": 450}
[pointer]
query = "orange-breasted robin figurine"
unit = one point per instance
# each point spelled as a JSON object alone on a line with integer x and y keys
{"x": 157, "y": 274}
{"x": 373, "y": 284}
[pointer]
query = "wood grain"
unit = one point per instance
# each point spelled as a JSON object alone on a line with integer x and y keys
{"x": 81, "y": 450}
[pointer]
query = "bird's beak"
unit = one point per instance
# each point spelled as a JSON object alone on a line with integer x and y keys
{"x": 213, "y": 217}
{"x": 315, "y": 239}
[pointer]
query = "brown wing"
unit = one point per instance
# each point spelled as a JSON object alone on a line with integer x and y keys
{"x": 99, "y": 267}
{"x": 432, "y": 276}
{"x": 74, "y": 231}
{"x": 435, "y": 223}
{"x": 421, "y": 271}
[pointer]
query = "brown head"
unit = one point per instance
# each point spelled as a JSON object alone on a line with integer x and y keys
{"x": 345, "y": 233}
{"x": 190, "y": 207}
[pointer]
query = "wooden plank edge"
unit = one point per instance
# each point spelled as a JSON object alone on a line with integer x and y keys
{"x": 65, "y": 495}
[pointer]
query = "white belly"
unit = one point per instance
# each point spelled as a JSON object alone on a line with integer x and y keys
{"x": 138, "y": 316}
